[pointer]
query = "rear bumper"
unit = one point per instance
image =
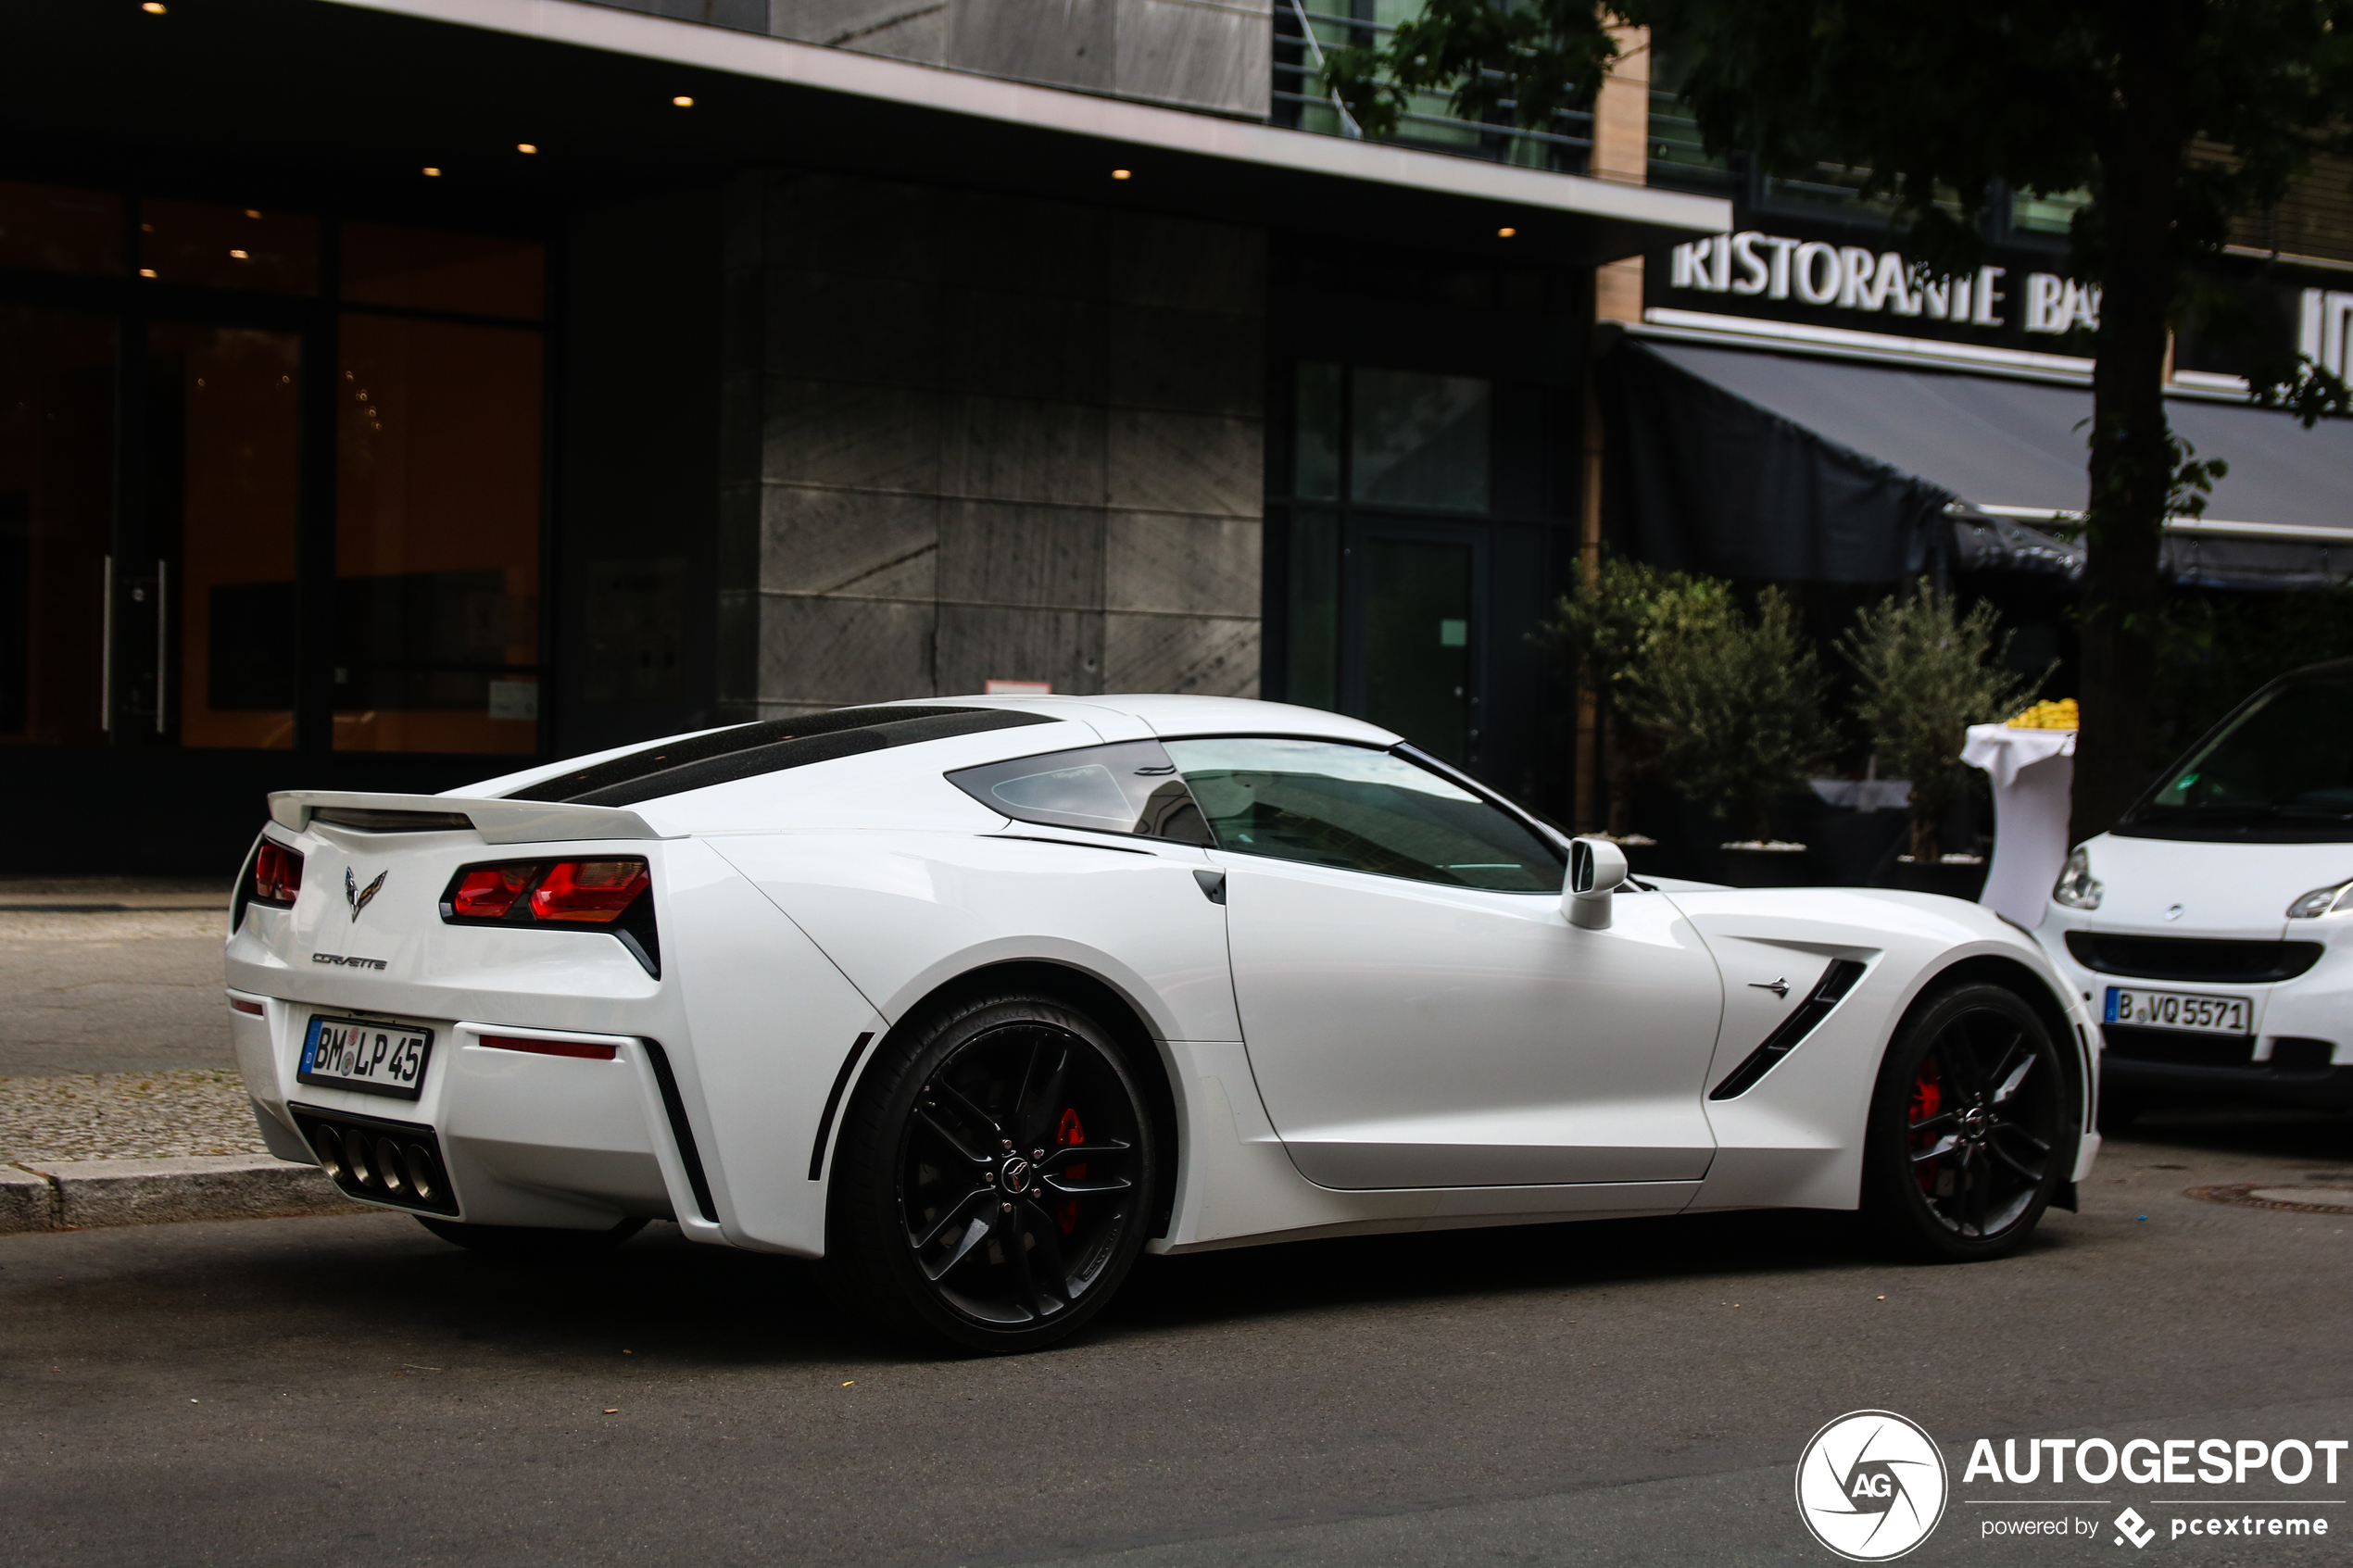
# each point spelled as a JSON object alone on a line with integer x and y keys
{"x": 526, "y": 1139}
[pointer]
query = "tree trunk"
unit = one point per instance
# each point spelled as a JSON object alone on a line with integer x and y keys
{"x": 1927, "y": 848}
{"x": 2131, "y": 462}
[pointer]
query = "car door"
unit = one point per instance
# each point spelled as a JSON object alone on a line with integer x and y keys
{"x": 1416, "y": 1010}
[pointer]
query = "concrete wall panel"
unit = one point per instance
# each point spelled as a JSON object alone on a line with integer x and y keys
{"x": 1181, "y": 653}
{"x": 1198, "y": 53}
{"x": 862, "y": 542}
{"x": 982, "y": 425}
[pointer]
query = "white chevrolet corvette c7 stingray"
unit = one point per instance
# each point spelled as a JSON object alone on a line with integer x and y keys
{"x": 976, "y": 998}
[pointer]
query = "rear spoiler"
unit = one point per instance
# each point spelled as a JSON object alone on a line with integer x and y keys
{"x": 498, "y": 821}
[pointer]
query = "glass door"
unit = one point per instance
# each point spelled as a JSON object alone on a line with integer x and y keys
{"x": 1415, "y": 601}
{"x": 205, "y": 612}
{"x": 57, "y": 501}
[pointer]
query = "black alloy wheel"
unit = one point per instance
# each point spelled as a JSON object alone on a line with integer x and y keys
{"x": 531, "y": 1243}
{"x": 1971, "y": 1130}
{"x": 992, "y": 1184}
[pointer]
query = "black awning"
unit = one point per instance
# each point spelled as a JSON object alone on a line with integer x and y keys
{"x": 1705, "y": 479}
{"x": 1994, "y": 450}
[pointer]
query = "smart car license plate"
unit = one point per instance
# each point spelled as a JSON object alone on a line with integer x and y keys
{"x": 373, "y": 1057}
{"x": 2178, "y": 1009}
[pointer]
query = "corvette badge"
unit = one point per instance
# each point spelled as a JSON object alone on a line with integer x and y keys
{"x": 356, "y": 896}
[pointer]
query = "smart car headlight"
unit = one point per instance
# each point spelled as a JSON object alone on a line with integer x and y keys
{"x": 2323, "y": 901}
{"x": 2076, "y": 887}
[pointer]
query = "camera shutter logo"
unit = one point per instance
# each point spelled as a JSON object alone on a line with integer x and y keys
{"x": 1871, "y": 1486}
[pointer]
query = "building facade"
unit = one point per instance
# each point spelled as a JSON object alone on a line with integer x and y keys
{"x": 393, "y": 391}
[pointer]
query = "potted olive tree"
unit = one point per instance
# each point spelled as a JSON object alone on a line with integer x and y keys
{"x": 1606, "y": 627}
{"x": 1733, "y": 703}
{"x": 1924, "y": 673}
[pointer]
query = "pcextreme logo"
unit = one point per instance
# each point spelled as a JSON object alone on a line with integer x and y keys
{"x": 1870, "y": 1486}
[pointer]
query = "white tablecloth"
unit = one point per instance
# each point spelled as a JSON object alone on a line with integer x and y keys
{"x": 2033, "y": 773}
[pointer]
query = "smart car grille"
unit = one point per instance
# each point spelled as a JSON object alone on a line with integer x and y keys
{"x": 382, "y": 1161}
{"x": 2191, "y": 957}
{"x": 769, "y": 746}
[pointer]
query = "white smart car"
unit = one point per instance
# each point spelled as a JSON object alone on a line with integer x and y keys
{"x": 975, "y": 998}
{"x": 2210, "y": 931}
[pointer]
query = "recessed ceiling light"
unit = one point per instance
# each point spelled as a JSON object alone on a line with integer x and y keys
{"x": 253, "y": 212}
{"x": 240, "y": 256}
{"x": 147, "y": 272}
{"x": 1121, "y": 174}
{"x": 1505, "y": 234}
{"x": 153, "y": 7}
{"x": 432, "y": 171}
{"x": 682, "y": 101}
{"x": 526, "y": 146}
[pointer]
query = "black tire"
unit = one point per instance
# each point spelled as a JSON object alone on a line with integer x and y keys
{"x": 1971, "y": 1127}
{"x": 537, "y": 1243}
{"x": 994, "y": 1177}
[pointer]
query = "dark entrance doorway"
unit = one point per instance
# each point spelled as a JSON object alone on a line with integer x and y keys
{"x": 1412, "y": 627}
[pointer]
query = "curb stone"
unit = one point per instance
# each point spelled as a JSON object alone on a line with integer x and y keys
{"x": 83, "y": 1192}
{"x": 27, "y": 1202}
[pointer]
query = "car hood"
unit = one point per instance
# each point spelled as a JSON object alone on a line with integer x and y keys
{"x": 2222, "y": 889}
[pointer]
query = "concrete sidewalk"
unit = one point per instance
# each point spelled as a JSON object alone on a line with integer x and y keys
{"x": 119, "y": 1099}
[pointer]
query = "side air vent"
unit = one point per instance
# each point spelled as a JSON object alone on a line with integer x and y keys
{"x": 1828, "y": 992}
{"x": 673, "y": 1106}
{"x": 769, "y": 746}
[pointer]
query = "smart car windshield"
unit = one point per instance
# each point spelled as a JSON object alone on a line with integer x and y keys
{"x": 2281, "y": 770}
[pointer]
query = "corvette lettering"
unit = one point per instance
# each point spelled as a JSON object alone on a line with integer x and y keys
{"x": 346, "y": 962}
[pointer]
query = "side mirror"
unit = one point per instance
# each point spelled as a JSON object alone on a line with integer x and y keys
{"x": 1595, "y": 868}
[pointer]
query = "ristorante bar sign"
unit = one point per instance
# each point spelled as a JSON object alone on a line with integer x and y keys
{"x": 1781, "y": 275}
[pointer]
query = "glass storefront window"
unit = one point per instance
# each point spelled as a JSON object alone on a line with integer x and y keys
{"x": 56, "y": 498}
{"x": 224, "y": 425}
{"x": 437, "y": 537}
{"x": 1419, "y": 440}
{"x": 59, "y": 230}
{"x": 431, "y": 269}
{"x": 1316, "y": 440}
{"x": 1313, "y": 623}
{"x": 2047, "y": 214}
{"x": 228, "y": 248}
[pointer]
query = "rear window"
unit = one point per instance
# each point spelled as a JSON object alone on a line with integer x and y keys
{"x": 1129, "y": 787}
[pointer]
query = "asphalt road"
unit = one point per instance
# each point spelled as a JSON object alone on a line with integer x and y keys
{"x": 348, "y": 1390}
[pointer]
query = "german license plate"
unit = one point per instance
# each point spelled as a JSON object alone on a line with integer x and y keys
{"x": 2178, "y": 1009}
{"x": 375, "y": 1057}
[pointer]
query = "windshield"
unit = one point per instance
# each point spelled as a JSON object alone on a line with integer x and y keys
{"x": 2281, "y": 770}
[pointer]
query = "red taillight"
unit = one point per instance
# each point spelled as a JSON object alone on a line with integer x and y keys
{"x": 489, "y": 892}
{"x": 594, "y": 891}
{"x": 585, "y": 1050}
{"x": 277, "y": 874}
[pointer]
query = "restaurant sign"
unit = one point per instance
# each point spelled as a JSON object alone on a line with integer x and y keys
{"x": 1752, "y": 266}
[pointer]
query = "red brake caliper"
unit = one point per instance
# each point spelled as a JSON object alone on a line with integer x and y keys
{"x": 1928, "y": 1098}
{"x": 1068, "y": 1131}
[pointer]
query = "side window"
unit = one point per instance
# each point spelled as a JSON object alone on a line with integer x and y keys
{"x": 1361, "y": 810}
{"x": 1131, "y": 788}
